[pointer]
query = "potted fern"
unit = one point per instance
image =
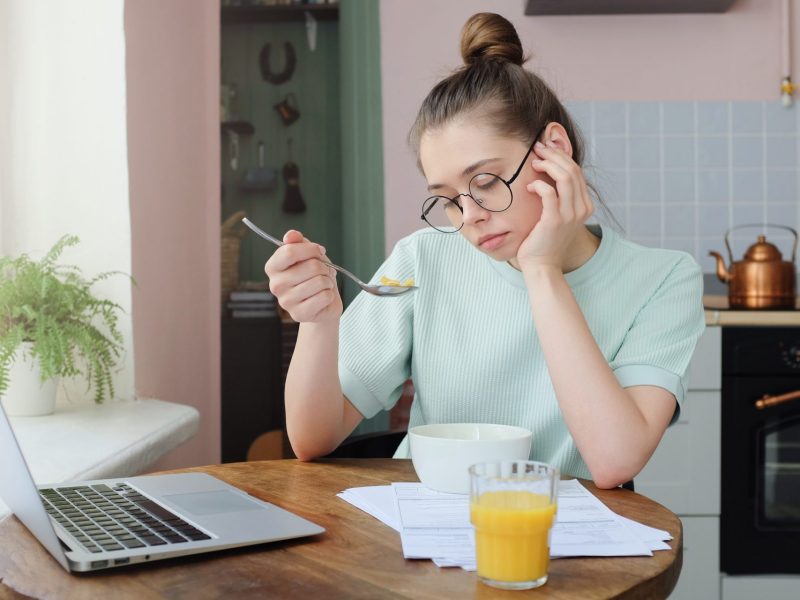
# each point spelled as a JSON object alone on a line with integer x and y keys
{"x": 51, "y": 326}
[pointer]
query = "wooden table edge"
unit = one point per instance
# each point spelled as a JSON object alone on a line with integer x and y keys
{"x": 658, "y": 584}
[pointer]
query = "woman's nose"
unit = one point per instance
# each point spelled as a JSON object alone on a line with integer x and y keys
{"x": 473, "y": 212}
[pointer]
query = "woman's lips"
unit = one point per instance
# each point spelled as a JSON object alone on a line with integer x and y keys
{"x": 490, "y": 242}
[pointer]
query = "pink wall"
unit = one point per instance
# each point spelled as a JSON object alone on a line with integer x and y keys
{"x": 173, "y": 151}
{"x": 730, "y": 56}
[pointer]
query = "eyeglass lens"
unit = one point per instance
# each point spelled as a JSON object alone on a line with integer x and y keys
{"x": 489, "y": 191}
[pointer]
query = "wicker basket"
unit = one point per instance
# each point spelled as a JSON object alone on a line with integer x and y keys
{"x": 230, "y": 244}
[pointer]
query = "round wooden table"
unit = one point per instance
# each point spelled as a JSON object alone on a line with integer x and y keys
{"x": 357, "y": 557}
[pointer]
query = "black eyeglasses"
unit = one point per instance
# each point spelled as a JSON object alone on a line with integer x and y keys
{"x": 489, "y": 191}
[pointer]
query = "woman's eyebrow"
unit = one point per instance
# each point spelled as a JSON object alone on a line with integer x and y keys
{"x": 468, "y": 171}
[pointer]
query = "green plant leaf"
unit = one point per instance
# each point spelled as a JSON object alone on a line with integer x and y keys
{"x": 72, "y": 331}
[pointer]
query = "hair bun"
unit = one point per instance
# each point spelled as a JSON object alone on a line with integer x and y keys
{"x": 488, "y": 36}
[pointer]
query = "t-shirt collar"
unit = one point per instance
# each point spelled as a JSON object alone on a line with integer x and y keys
{"x": 574, "y": 278}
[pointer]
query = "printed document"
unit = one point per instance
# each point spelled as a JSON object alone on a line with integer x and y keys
{"x": 435, "y": 525}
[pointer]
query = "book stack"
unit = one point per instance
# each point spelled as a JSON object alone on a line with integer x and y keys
{"x": 252, "y": 304}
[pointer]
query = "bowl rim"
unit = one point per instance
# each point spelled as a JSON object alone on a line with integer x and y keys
{"x": 517, "y": 431}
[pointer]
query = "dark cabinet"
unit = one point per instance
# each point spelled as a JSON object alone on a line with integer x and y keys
{"x": 252, "y": 383}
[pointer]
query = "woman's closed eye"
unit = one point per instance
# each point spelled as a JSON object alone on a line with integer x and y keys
{"x": 485, "y": 182}
{"x": 449, "y": 203}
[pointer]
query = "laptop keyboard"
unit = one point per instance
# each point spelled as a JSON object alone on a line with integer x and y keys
{"x": 105, "y": 518}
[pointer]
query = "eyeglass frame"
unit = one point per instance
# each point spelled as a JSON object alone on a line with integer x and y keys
{"x": 508, "y": 183}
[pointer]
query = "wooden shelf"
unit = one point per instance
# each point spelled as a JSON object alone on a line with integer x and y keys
{"x": 622, "y": 7}
{"x": 234, "y": 15}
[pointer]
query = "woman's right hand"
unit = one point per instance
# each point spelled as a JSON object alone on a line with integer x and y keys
{"x": 303, "y": 285}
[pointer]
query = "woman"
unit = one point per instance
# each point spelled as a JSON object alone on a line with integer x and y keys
{"x": 524, "y": 314}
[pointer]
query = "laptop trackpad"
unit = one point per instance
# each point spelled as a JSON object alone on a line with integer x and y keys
{"x": 212, "y": 503}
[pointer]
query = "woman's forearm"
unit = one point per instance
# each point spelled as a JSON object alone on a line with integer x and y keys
{"x": 318, "y": 417}
{"x": 612, "y": 434}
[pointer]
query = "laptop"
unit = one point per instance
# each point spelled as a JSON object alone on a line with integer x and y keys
{"x": 106, "y": 523}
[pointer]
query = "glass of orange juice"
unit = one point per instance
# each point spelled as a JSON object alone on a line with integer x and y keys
{"x": 512, "y": 508}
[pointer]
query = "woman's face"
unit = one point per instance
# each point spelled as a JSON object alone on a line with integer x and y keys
{"x": 452, "y": 155}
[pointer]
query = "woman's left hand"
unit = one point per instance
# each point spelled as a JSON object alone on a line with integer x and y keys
{"x": 565, "y": 208}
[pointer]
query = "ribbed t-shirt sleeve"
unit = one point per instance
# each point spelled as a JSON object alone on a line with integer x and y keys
{"x": 375, "y": 340}
{"x": 660, "y": 342}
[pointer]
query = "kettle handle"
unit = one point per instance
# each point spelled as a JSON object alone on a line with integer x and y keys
{"x": 793, "y": 232}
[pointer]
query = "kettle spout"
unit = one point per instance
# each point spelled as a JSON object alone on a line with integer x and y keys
{"x": 722, "y": 271}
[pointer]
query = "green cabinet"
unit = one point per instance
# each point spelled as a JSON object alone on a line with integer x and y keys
{"x": 334, "y": 146}
{"x": 336, "y": 142}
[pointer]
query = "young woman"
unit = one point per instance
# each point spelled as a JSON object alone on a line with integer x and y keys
{"x": 524, "y": 314}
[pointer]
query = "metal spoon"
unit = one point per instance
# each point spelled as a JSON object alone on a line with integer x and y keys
{"x": 377, "y": 290}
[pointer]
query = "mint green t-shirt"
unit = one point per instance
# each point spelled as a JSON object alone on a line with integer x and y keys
{"x": 467, "y": 339}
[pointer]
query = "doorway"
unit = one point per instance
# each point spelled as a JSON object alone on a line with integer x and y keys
{"x": 301, "y": 139}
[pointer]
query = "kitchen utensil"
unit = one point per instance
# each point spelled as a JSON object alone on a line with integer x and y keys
{"x": 761, "y": 279}
{"x": 233, "y": 138}
{"x": 288, "y": 110}
{"x": 266, "y": 69}
{"x": 260, "y": 178}
{"x": 377, "y": 290}
{"x": 293, "y": 199}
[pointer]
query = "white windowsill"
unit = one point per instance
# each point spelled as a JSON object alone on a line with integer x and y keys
{"x": 96, "y": 441}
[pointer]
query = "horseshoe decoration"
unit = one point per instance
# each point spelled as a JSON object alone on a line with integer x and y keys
{"x": 288, "y": 69}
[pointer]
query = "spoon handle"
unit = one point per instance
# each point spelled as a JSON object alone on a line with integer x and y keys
{"x": 261, "y": 232}
{"x": 256, "y": 229}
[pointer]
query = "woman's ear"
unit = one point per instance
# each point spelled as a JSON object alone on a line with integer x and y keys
{"x": 556, "y": 136}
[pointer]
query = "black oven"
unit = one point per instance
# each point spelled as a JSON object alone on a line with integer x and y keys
{"x": 760, "y": 491}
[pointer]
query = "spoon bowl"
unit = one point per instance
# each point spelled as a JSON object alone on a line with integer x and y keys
{"x": 376, "y": 290}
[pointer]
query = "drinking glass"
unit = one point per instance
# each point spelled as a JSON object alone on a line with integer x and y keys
{"x": 512, "y": 507}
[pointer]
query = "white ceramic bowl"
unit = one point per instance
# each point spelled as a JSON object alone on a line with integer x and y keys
{"x": 442, "y": 454}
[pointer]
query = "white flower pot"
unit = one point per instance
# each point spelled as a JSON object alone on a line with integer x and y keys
{"x": 26, "y": 395}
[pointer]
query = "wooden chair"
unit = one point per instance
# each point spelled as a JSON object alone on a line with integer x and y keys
{"x": 267, "y": 446}
{"x": 379, "y": 444}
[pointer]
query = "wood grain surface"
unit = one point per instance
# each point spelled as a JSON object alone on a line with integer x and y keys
{"x": 357, "y": 557}
{"x": 719, "y": 312}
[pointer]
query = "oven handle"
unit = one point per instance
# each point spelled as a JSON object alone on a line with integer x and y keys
{"x": 766, "y": 400}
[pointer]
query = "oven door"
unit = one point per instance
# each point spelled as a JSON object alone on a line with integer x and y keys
{"x": 760, "y": 493}
{"x": 778, "y": 481}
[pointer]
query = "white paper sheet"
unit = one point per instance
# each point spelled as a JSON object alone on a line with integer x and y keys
{"x": 435, "y": 525}
{"x": 586, "y": 527}
{"x": 376, "y": 500}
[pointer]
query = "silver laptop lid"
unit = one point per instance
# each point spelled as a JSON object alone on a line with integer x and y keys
{"x": 18, "y": 490}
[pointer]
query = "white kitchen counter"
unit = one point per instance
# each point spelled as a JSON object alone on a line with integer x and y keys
{"x": 95, "y": 441}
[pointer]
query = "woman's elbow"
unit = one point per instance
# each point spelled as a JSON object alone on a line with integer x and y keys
{"x": 306, "y": 451}
{"x": 607, "y": 478}
{"x": 609, "y": 483}
{"x": 303, "y": 456}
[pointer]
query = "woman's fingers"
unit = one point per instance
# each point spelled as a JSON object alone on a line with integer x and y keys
{"x": 566, "y": 205}
{"x": 293, "y": 237}
{"x": 551, "y": 213}
{"x": 568, "y": 177}
{"x": 302, "y": 283}
{"x": 281, "y": 281}
{"x": 565, "y": 187}
{"x": 306, "y": 300}
{"x": 306, "y": 290}
{"x": 293, "y": 253}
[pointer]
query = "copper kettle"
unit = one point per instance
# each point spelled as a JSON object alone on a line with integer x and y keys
{"x": 762, "y": 279}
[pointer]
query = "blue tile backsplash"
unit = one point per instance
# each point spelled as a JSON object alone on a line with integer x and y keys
{"x": 679, "y": 174}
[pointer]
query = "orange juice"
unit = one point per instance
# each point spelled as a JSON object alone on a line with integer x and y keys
{"x": 511, "y": 529}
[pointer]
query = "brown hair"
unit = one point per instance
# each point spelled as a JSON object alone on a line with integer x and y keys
{"x": 494, "y": 87}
